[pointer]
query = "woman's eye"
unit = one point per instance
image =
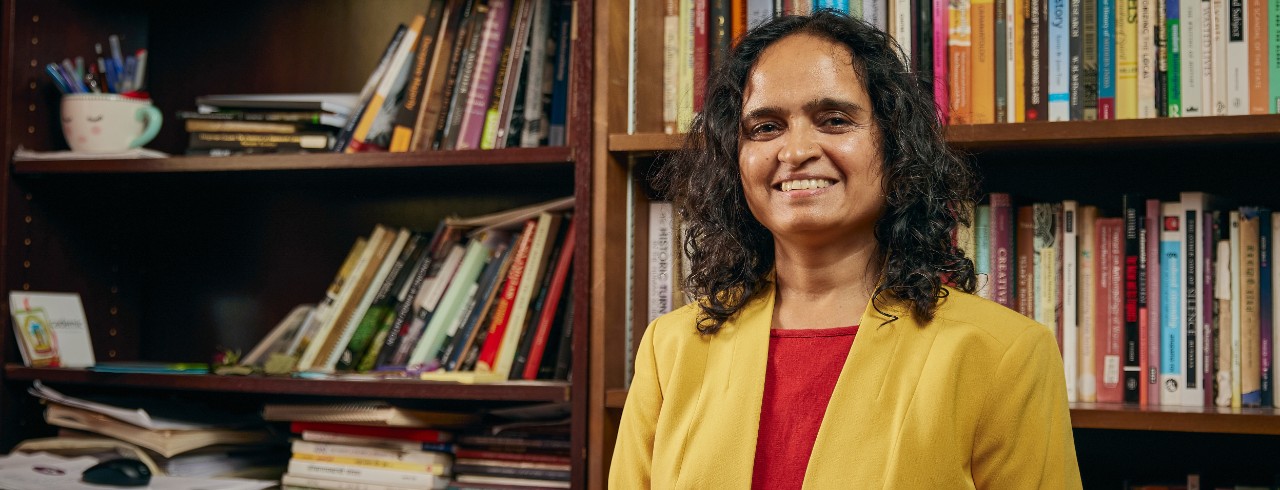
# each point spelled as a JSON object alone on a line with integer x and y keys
{"x": 764, "y": 128}
{"x": 837, "y": 121}
{"x": 95, "y": 119}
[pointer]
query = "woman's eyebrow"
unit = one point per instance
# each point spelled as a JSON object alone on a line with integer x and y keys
{"x": 833, "y": 103}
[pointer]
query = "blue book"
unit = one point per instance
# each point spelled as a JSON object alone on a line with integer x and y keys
{"x": 1059, "y": 62}
{"x": 1106, "y": 59}
{"x": 1171, "y": 339}
{"x": 982, "y": 243}
{"x": 1265, "y": 303}
{"x": 560, "y": 82}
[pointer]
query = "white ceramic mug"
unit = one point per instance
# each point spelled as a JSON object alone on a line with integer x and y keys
{"x": 108, "y": 123}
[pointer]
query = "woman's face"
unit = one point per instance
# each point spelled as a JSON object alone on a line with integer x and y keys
{"x": 809, "y": 153}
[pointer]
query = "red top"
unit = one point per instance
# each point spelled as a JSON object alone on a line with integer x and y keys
{"x": 803, "y": 368}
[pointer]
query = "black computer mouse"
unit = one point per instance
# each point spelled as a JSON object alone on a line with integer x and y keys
{"x": 121, "y": 472}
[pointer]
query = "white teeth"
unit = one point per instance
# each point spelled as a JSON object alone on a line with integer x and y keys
{"x": 804, "y": 184}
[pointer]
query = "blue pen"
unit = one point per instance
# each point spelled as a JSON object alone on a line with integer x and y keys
{"x": 56, "y": 75}
{"x": 130, "y": 73}
{"x": 69, "y": 75}
{"x": 111, "y": 75}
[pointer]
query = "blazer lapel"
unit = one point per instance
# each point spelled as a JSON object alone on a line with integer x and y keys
{"x": 870, "y": 399}
{"x": 729, "y": 404}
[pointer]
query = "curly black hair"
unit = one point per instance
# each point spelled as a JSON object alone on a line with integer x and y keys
{"x": 928, "y": 188}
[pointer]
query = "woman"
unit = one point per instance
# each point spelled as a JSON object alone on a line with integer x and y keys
{"x": 820, "y": 199}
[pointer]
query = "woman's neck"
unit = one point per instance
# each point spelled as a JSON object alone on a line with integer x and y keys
{"x": 824, "y": 287}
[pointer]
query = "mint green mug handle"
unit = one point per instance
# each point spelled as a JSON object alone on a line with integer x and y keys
{"x": 153, "y": 118}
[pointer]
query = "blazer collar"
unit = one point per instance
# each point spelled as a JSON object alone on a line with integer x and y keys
{"x": 734, "y": 387}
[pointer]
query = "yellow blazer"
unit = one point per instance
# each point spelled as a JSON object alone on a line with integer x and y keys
{"x": 974, "y": 399}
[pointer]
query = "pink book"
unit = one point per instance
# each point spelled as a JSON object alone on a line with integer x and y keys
{"x": 1003, "y": 272}
{"x": 1109, "y": 325}
{"x": 1152, "y": 319}
{"x": 941, "y": 34}
{"x": 495, "y": 31}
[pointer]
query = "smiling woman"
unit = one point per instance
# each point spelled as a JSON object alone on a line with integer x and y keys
{"x": 820, "y": 200}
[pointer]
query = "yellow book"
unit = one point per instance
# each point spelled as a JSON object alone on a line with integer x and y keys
{"x": 403, "y": 53}
{"x": 1250, "y": 301}
{"x": 983, "y": 95}
{"x": 1019, "y": 53}
{"x": 1126, "y": 60}
{"x": 380, "y": 463}
{"x": 684, "y": 68}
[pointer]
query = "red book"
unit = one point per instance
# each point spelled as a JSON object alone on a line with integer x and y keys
{"x": 1109, "y": 326}
{"x": 502, "y": 312}
{"x": 558, "y": 279}
{"x": 405, "y": 433}
{"x": 1025, "y": 240}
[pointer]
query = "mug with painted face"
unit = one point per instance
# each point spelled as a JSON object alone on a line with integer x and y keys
{"x": 108, "y": 123}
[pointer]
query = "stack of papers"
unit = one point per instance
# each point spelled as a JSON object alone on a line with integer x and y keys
{"x": 44, "y": 471}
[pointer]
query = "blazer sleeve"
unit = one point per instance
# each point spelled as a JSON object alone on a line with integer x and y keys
{"x": 633, "y": 451}
{"x": 1024, "y": 437}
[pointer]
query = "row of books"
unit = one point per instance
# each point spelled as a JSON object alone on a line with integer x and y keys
{"x": 1171, "y": 303}
{"x": 240, "y": 124}
{"x": 339, "y": 446}
{"x": 468, "y": 74}
{"x": 994, "y": 61}
{"x": 485, "y": 298}
{"x": 1196, "y": 481}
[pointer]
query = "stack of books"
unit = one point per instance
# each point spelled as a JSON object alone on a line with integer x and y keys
{"x": 224, "y": 125}
{"x": 482, "y": 299}
{"x": 368, "y": 446}
{"x": 518, "y": 458}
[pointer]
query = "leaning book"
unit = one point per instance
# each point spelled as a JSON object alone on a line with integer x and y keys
{"x": 51, "y": 329}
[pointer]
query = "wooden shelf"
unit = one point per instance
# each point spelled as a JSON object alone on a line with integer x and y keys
{"x": 1258, "y": 421}
{"x": 311, "y": 161}
{"x": 1047, "y": 135}
{"x": 531, "y": 391}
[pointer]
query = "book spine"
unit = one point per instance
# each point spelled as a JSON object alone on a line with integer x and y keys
{"x": 489, "y": 286}
{"x": 671, "y": 61}
{"x": 428, "y": 461}
{"x": 557, "y": 120}
{"x": 497, "y": 327}
{"x": 1259, "y": 86}
{"x": 366, "y": 94}
{"x": 1222, "y": 321}
{"x": 528, "y": 329}
{"x": 1155, "y": 328}
{"x": 371, "y": 462}
{"x": 1059, "y": 50}
{"x": 359, "y": 474}
{"x": 474, "y": 56}
{"x": 403, "y": 315}
{"x": 1250, "y": 322}
{"x": 1126, "y": 59}
{"x": 941, "y": 37}
{"x": 1273, "y": 56}
{"x": 294, "y": 481}
{"x": 1043, "y": 266}
{"x": 1208, "y": 231}
{"x": 272, "y": 141}
{"x": 1173, "y": 343}
{"x": 548, "y": 225}
{"x": 1024, "y": 242}
{"x": 982, "y": 90}
{"x": 721, "y": 38}
{"x": 1237, "y": 58}
{"x": 406, "y": 118}
{"x": 1110, "y": 309}
{"x": 1087, "y": 368}
{"x": 1175, "y": 44}
{"x": 469, "y": 20}
{"x": 1147, "y": 98}
{"x": 1265, "y": 306}
{"x": 982, "y": 249}
{"x": 1015, "y": 62}
{"x": 388, "y": 84}
{"x": 960, "y": 57}
{"x": 488, "y": 55}
{"x": 1162, "y": 58}
{"x": 1193, "y": 206}
{"x": 1003, "y": 257}
{"x": 1107, "y": 59}
{"x": 564, "y": 352}
{"x": 535, "y": 473}
{"x": 701, "y": 56}
{"x": 504, "y": 81}
{"x": 1070, "y": 296}
{"x": 1216, "y": 62}
{"x": 510, "y": 456}
{"x": 534, "y": 125}
{"x": 900, "y": 23}
{"x": 1132, "y": 326}
{"x": 1237, "y": 300}
{"x": 1076, "y": 59}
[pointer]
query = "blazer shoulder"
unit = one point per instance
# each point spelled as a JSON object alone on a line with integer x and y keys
{"x": 964, "y": 310}
{"x": 679, "y": 325}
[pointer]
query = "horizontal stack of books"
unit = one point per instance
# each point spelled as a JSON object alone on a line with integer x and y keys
{"x": 519, "y": 458}
{"x": 368, "y": 446}
{"x": 481, "y": 299}
{"x": 224, "y": 125}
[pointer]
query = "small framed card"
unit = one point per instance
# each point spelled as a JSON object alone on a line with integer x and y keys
{"x": 51, "y": 329}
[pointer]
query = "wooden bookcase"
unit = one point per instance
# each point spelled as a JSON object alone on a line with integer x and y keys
{"x": 1090, "y": 161}
{"x": 174, "y": 257}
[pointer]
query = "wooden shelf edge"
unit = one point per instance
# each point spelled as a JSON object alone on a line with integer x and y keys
{"x": 1257, "y": 421}
{"x": 531, "y": 391}
{"x": 979, "y": 136}
{"x": 311, "y": 161}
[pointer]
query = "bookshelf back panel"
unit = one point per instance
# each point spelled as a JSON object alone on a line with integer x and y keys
{"x": 214, "y": 260}
{"x": 204, "y": 47}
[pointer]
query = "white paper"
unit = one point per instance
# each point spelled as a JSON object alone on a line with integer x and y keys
{"x": 24, "y": 154}
{"x": 44, "y": 471}
{"x": 66, "y": 319}
{"x": 138, "y": 417}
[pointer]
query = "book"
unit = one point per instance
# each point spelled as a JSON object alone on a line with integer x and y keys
{"x": 1086, "y": 365}
{"x": 1250, "y": 341}
{"x": 511, "y": 482}
{"x": 301, "y": 140}
{"x": 337, "y": 103}
{"x": 233, "y": 126}
{"x": 417, "y": 434}
{"x": 291, "y": 481}
{"x": 166, "y": 442}
{"x": 361, "y": 474}
{"x": 396, "y": 444}
{"x": 363, "y": 461}
{"x": 385, "y": 300}
{"x": 295, "y": 118}
{"x": 51, "y": 329}
{"x": 549, "y": 313}
{"x": 366, "y": 413}
{"x": 430, "y": 461}
{"x": 488, "y": 57}
{"x": 406, "y": 118}
{"x": 387, "y": 86}
{"x": 1109, "y": 334}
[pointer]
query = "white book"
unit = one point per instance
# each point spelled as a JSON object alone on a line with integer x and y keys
{"x": 1194, "y": 205}
{"x": 670, "y": 70}
{"x": 876, "y": 13}
{"x": 291, "y": 481}
{"x": 1217, "y": 104}
{"x": 361, "y": 474}
{"x": 685, "y": 41}
{"x": 902, "y": 28}
{"x": 1191, "y": 26}
{"x": 1237, "y": 57}
{"x": 661, "y": 265}
{"x": 758, "y": 11}
{"x": 1174, "y": 348}
{"x": 1070, "y": 294}
{"x": 1222, "y": 294}
{"x": 1236, "y": 381}
{"x": 1087, "y": 261}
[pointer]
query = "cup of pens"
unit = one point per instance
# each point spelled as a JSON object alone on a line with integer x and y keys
{"x": 104, "y": 107}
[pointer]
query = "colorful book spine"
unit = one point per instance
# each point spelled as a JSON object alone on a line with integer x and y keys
{"x": 1172, "y": 342}
{"x": 1024, "y": 241}
{"x": 1110, "y": 310}
{"x": 1089, "y": 59}
{"x": 1001, "y": 60}
{"x": 1037, "y": 75}
{"x": 1194, "y": 206}
{"x": 982, "y": 249}
{"x": 983, "y": 88}
{"x": 1126, "y": 59}
{"x": 1266, "y": 305}
{"x": 960, "y": 63}
{"x": 1134, "y": 212}
{"x": 1236, "y": 302}
{"x": 701, "y": 57}
{"x": 1173, "y": 36}
{"x": 1273, "y": 56}
{"x": 1153, "y": 225}
{"x": 1250, "y": 303}
{"x": 1002, "y": 260}
{"x": 1147, "y": 98}
{"x": 671, "y": 64}
{"x": 1059, "y": 49}
{"x": 1106, "y": 59}
{"x": 941, "y": 38}
{"x": 487, "y": 59}
{"x": 1015, "y": 59}
{"x": 1075, "y": 59}
{"x": 1259, "y": 67}
{"x": 558, "y": 118}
